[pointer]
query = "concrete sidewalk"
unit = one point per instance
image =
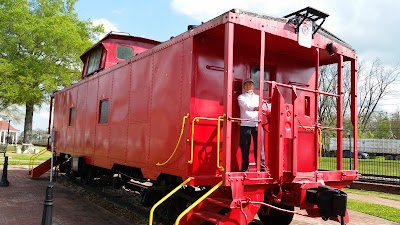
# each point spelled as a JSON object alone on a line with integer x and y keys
{"x": 22, "y": 203}
{"x": 375, "y": 200}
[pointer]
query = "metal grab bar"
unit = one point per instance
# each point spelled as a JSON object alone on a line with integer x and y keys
{"x": 303, "y": 89}
{"x": 219, "y": 140}
{"x": 198, "y": 201}
{"x": 177, "y": 144}
{"x": 165, "y": 198}
{"x": 197, "y": 119}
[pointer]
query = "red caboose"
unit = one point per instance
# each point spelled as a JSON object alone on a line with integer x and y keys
{"x": 168, "y": 112}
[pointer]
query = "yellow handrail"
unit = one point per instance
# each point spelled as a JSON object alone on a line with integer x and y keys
{"x": 197, "y": 119}
{"x": 219, "y": 140}
{"x": 165, "y": 198}
{"x": 177, "y": 144}
{"x": 320, "y": 143}
{"x": 197, "y": 202}
{"x": 32, "y": 158}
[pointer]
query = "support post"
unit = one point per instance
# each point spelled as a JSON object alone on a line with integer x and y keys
{"x": 48, "y": 206}
{"x": 316, "y": 96}
{"x": 354, "y": 110}
{"x": 228, "y": 90}
{"x": 339, "y": 132}
{"x": 260, "y": 137}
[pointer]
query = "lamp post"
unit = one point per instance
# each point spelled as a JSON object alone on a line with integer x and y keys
{"x": 4, "y": 181}
{"x": 8, "y": 131}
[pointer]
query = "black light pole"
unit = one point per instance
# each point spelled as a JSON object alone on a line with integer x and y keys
{"x": 348, "y": 133}
{"x": 8, "y": 130}
{"x": 4, "y": 181}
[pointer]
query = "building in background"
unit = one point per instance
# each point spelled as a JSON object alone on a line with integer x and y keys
{"x": 6, "y": 128}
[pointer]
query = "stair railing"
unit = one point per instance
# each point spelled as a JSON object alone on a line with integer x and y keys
{"x": 198, "y": 201}
{"x": 33, "y": 158}
{"x": 165, "y": 198}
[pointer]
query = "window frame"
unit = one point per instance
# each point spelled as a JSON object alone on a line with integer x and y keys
{"x": 125, "y": 47}
{"x": 72, "y": 116}
{"x": 103, "y": 119}
{"x": 98, "y": 51}
{"x": 267, "y": 72}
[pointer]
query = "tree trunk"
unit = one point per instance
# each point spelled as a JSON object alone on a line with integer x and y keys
{"x": 28, "y": 125}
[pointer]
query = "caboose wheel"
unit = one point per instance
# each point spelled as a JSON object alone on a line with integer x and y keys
{"x": 87, "y": 174}
{"x": 61, "y": 162}
{"x": 274, "y": 216}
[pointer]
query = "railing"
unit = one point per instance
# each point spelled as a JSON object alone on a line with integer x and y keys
{"x": 198, "y": 201}
{"x": 165, "y": 198}
{"x": 317, "y": 127}
{"x": 33, "y": 158}
{"x": 197, "y": 119}
{"x": 177, "y": 144}
{"x": 372, "y": 168}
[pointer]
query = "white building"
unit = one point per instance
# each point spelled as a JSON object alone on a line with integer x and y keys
{"x": 7, "y": 128}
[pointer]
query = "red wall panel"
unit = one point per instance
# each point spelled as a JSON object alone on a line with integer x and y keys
{"x": 119, "y": 113}
{"x": 71, "y": 100}
{"x": 90, "y": 116}
{"x": 80, "y": 118}
{"x": 102, "y": 140}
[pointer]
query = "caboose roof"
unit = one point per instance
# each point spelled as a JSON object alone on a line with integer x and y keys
{"x": 280, "y": 36}
{"x": 121, "y": 36}
{"x": 321, "y": 31}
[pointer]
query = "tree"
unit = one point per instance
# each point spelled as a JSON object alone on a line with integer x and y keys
{"x": 42, "y": 39}
{"x": 395, "y": 125}
{"x": 6, "y": 70}
{"x": 381, "y": 126}
{"x": 373, "y": 85}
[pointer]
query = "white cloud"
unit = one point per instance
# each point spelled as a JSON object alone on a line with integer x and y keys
{"x": 108, "y": 26}
{"x": 118, "y": 11}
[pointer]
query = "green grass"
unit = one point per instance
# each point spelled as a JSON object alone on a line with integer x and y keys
{"x": 384, "y": 212}
{"x": 373, "y": 193}
{"x": 376, "y": 166}
{"x": 23, "y": 159}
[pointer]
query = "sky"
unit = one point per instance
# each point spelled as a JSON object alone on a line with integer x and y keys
{"x": 370, "y": 26}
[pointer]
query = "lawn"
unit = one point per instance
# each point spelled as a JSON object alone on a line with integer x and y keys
{"x": 373, "y": 193}
{"x": 382, "y": 211}
{"x": 376, "y": 166}
{"x": 23, "y": 159}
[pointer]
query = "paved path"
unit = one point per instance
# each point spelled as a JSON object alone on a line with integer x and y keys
{"x": 374, "y": 199}
{"x": 22, "y": 203}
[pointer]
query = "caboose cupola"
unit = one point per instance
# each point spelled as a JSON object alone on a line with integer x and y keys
{"x": 112, "y": 49}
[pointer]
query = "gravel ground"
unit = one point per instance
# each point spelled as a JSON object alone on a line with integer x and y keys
{"x": 138, "y": 215}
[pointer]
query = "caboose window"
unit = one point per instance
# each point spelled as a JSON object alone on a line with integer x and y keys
{"x": 71, "y": 116}
{"x": 255, "y": 76}
{"x": 124, "y": 52}
{"x": 94, "y": 61}
{"x": 103, "y": 116}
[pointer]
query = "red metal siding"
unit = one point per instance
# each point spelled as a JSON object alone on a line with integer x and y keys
{"x": 90, "y": 118}
{"x": 70, "y": 130}
{"x": 102, "y": 139}
{"x": 81, "y": 117}
{"x": 166, "y": 108}
{"x": 119, "y": 113}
